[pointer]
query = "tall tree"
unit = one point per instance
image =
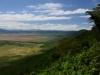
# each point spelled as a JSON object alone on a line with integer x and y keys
{"x": 95, "y": 16}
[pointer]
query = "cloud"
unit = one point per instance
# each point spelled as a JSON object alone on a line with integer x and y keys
{"x": 42, "y": 12}
{"x": 87, "y": 28}
{"x": 29, "y": 17}
{"x": 46, "y": 6}
{"x": 55, "y": 9}
{"x": 61, "y": 12}
{"x": 87, "y": 16}
{"x": 22, "y": 26}
{"x": 10, "y": 12}
{"x": 88, "y": 23}
{"x": 85, "y": 23}
{"x": 49, "y": 26}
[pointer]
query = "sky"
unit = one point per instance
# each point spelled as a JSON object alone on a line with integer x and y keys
{"x": 67, "y": 15}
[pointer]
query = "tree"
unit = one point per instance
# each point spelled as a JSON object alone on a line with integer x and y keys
{"x": 95, "y": 16}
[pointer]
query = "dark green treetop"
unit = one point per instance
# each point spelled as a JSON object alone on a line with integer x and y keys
{"x": 95, "y": 16}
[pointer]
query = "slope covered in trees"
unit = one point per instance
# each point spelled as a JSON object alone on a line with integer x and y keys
{"x": 77, "y": 56}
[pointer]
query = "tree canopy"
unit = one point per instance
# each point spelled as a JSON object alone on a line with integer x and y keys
{"x": 95, "y": 16}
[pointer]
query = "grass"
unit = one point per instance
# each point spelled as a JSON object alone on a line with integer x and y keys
{"x": 10, "y": 53}
{"x": 26, "y": 37}
{"x": 12, "y": 48}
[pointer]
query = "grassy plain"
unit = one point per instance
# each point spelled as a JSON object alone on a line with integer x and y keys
{"x": 16, "y": 46}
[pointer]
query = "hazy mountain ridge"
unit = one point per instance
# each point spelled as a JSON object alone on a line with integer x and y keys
{"x": 38, "y": 31}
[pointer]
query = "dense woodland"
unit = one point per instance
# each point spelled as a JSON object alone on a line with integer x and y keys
{"x": 79, "y": 55}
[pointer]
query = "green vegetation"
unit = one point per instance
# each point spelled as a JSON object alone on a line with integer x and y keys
{"x": 10, "y": 51}
{"x": 76, "y": 56}
{"x": 84, "y": 63}
{"x": 95, "y": 16}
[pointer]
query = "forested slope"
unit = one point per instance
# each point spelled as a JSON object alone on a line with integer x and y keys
{"x": 77, "y": 56}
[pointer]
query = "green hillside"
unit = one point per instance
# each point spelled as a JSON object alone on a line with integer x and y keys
{"x": 81, "y": 56}
{"x": 76, "y": 56}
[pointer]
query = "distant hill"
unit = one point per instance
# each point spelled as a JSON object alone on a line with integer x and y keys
{"x": 43, "y": 32}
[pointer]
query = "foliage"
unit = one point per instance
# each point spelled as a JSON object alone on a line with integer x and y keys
{"x": 84, "y": 63}
{"x": 95, "y": 16}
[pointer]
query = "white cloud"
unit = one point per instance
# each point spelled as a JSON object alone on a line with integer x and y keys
{"x": 22, "y": 26}
{"x": 80, "y": 10}
{"x": 26, "y": 26}
{"x": 29, "y": 17}
{"x": 58, "y": 27}
{"x": 88, "y": 23}
{"x": 10, "y": 12}
{"x": 46, "y": 6}
{"x": 87, "y": 16}
{"x": 61, "y": 12}
{"x": 87, "y": 28}
{"x": 55, "y": 9}
{"x": 42, "y": 12}
{"x": 85, "y": 23}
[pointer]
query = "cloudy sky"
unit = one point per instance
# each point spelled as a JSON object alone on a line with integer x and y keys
{"x": 45, "y": 14}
